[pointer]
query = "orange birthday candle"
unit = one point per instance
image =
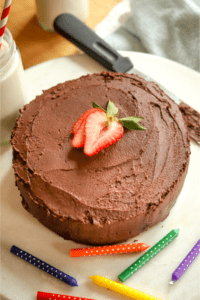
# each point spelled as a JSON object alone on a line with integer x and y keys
{"x": 103, "y": 250}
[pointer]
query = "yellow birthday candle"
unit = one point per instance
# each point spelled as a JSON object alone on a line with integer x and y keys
{"x": 121, "y": 288}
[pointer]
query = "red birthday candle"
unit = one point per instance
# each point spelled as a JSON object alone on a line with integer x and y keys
{"x": 103, "y": 250}
{"x": 52, "y": 296}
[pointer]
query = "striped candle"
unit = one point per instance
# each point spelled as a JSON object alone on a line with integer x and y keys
{"x": 33, "y": 260}
{"x": 52, "y": 296}
{"x": 103, "y": 250}
{"x": 121, "y": 289}
{"x": 184, "y": 265}
{"x": 148, "y": 255}
{"x": 4, "y": 18}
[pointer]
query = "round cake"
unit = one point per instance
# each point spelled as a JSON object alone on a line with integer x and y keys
{"x": 119, "y": 192}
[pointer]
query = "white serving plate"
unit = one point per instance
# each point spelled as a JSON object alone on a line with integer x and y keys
{"x": 21, "y": 281}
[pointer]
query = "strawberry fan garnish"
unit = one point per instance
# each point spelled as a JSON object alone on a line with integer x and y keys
{"x": 98, "y": 128}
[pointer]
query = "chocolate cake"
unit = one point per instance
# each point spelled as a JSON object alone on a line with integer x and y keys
{"x": 117, "y": 193}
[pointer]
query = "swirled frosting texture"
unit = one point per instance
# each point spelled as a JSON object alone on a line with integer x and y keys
{"x": 129, "y": 181}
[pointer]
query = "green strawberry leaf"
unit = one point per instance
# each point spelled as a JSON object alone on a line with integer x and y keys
{"x": 131, "y": 123}
{"x": 97, "y": 106}
{"x": 132, "y": 118}
{"x": 112, "y": 109}
{"x": 128, "y": 122}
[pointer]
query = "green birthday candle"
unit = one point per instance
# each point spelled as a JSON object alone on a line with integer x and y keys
{"x": 148, "y": 255}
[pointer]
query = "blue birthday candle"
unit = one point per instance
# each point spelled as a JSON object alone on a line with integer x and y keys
{"x": 33, "y": 260}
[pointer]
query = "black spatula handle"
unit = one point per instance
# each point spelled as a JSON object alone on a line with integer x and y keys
{"x": 89, "y": 42}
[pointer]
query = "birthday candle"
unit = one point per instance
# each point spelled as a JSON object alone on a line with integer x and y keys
{"x": 121, "y": 288}
{"x": 103, "y": 250}
{"x": 52, "y": 296}
{"x": 33, "y": 260}
{"x": 148, "y": 255}
{"x": 184, "y": 265}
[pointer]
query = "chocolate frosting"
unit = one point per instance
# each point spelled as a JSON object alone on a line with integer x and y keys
{"x": 117, "y": 193}
{"x": 192, "y": 120}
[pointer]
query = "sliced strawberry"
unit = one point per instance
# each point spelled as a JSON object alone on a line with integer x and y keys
{"x": 98, "y": 136}
{"x": 78, "y": 123}
{"x": 79, "y": 136}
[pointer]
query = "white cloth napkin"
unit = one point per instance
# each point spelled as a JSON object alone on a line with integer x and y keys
{"x": 167, "y": 28}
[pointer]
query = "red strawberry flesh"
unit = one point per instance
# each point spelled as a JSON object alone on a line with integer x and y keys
{"x": 79, "y": 136}
{"x": 83, "y": 117}
{"x": 98, "y": 135}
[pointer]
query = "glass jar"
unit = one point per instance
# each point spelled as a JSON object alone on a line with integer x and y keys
{"x": 12, "y": 85}
{"x": 49, "y": 10}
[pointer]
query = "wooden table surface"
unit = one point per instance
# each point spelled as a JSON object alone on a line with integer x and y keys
{"x": 37, "y": 45}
